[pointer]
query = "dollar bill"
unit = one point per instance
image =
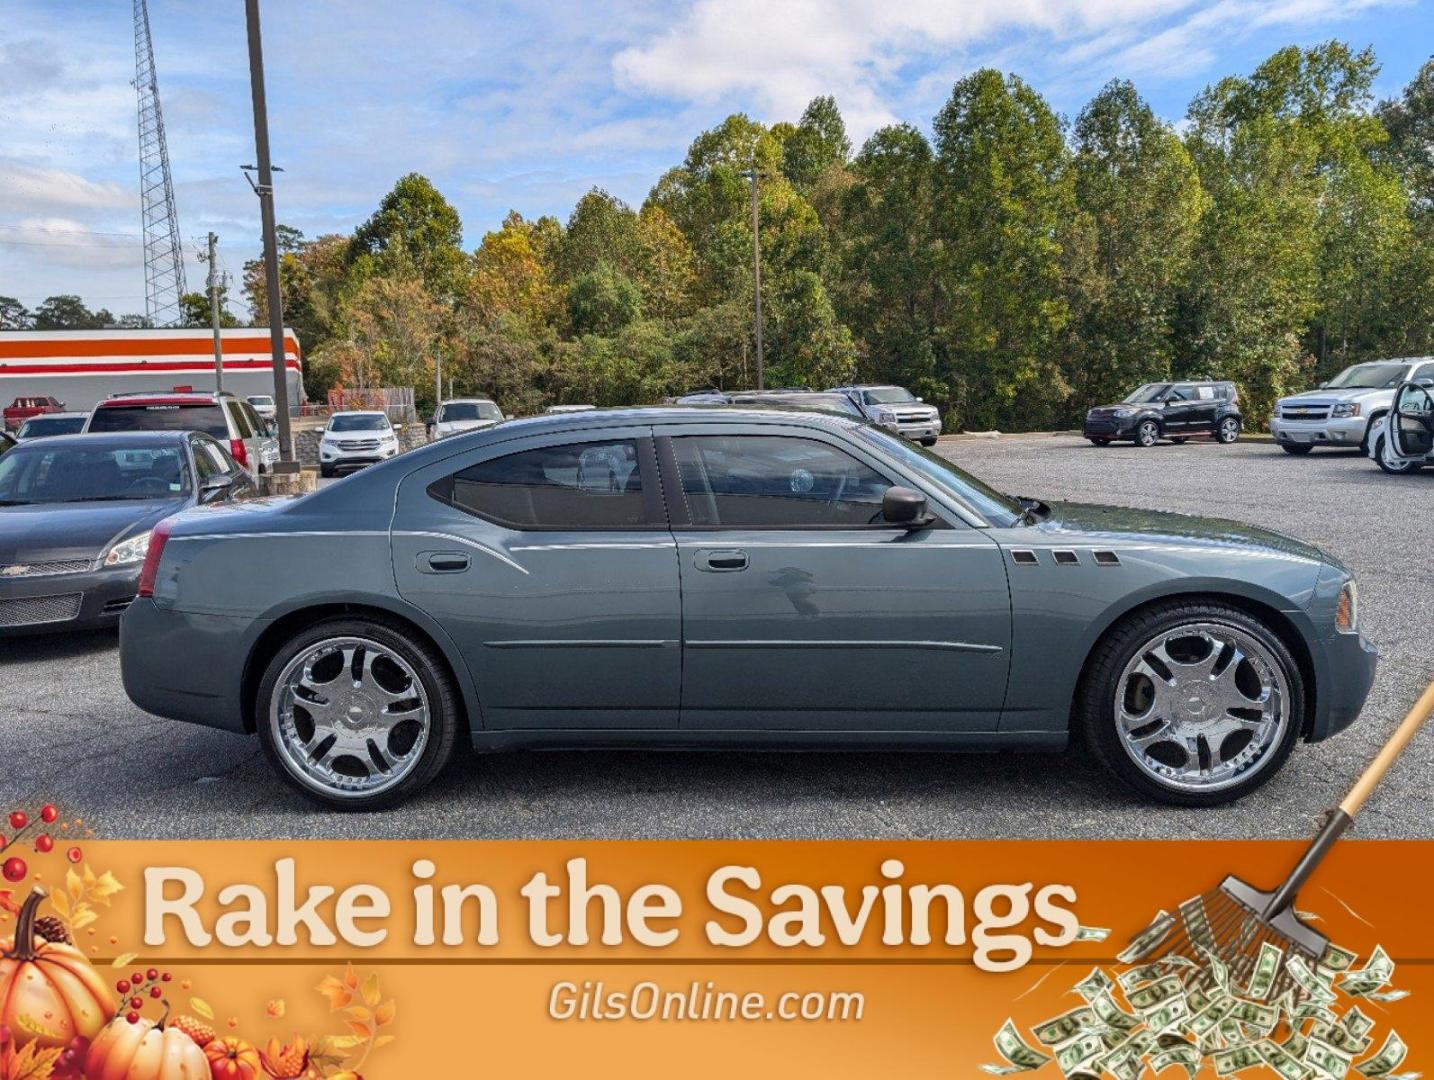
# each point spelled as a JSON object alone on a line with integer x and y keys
{"x": 1112, "y": 1015}
{"x": 1151, "y": 996}
{"x": 1257, "y": 1015}
{"x": 1336, "y": 959}
{"x": 1197, "y": 923}
{"x": 1094, "y": 984}
{"x": 1020, "y": 1056}
{"x": 1340, "y": 1037}
{"x": 1375, "y": 974}
{"x": 1217, "y": 970}
{"x": 1267, "y": 966}
{"x": 1308, "y": 981}
{"x": 1391, "y": 1055}
{"x": 1081, "y": 1051}
{"x": 1149, "y": 939}
{"x": 1067, "y": 1026}
{"x": 1387, "y": 995}
{"x": 1296, "y": 1044}
{"x": 1208, "y": 1019}
{"x": 1168, "y": 1015}
{"x": 1092, "y": 933}
{"x": 1355, "y": 1022}
{"x": 1236, "y": 1058}
{"x": 1282, "y": 1061}
{"x": 1186, "y": 1056}
{"x": 1313, "y": 1010}
{"x": 1329, "y": 1060}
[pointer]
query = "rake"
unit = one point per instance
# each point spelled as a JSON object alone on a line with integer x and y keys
{"x": 1234, "y": 921}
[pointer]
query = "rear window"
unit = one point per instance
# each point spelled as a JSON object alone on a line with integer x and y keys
{"x": 51, "y": 425}
{"x": 206, "y": 417}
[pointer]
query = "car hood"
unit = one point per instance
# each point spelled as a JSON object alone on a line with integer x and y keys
{"x": 1116, "y": 524}
{"x": 1324, "y": 397}
{"x": 1105, "y": 410}
{"x": 463, "y": 425}
{"x": 51, "y": 532}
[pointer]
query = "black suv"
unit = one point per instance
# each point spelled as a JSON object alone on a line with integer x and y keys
{"x": 1168, "y": 410}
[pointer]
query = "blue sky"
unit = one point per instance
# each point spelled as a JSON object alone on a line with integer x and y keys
{"x": 527, "y": 105}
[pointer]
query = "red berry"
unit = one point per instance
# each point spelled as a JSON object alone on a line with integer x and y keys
{"x": 44, "y": 844}
{"x": 155, "y": 992}
{"x": 74, "y": 854}
{"x": 152, "y": 974}
{"x": 14, "y": 869}
{"x": 48, "y": 813}
{"x": 136, "y": 1003}
{"x": 132, "y": 1017}
{"x": 166, "y": 977}
{"x": 19, "y": 819}
{"x": 122, "y": 986}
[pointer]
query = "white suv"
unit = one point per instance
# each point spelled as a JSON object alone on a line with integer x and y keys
{"x": 464, "y": 414}
{"x": 355, "y": 439}
{"x": 1343, "y": 412}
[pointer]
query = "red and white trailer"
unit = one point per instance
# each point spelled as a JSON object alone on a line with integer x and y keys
{"x": 83, "y": 367}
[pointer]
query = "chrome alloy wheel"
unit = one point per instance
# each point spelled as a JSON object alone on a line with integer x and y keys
{"x": 1200, "y": 707}
{"x": 1148, "y": 433}
{"x": 1229, "y": 430}
{"x": 349, "y": 717}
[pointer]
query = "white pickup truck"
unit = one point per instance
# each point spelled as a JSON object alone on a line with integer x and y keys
{"x": 1342, "y": 412}
{"x": 1403, "y": 441}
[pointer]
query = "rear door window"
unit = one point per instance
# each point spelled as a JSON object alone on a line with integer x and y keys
{"x": 592, "y": 485}
{"x": 208, "y": 418}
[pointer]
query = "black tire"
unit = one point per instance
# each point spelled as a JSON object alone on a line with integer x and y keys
{"x": 1100, "y": 442}
{"x": 1392, "y": 470}
{"x": 1147, "y": 433}
{"x": 326, "y": 471}
{"x": 929, "y": 441}
{"x": 1178, "y": 440}
{"x": 1298, "y": 449}
{"x": 1094, "y": 714}
{"x": 1227, "y": 431}
{"x": 445, "y": 710}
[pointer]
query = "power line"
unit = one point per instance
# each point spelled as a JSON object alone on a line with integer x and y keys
{"x": 63, "y": 243}
{"x": 86, "y": 232}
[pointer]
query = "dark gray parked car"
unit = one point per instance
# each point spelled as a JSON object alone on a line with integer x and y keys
{"x": 736, "y": 577}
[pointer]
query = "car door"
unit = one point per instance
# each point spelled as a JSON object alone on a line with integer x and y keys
{"x": 211, "y": 459}
{"x": 549, "y": 562}
{"x": 1411, "y": 420}
{"x": 1179, "y": 406}
{"x": 1204, "y": 404}
{"x": 802, "y": 611}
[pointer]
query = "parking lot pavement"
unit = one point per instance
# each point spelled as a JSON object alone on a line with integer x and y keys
{"x": 68, "y": 733}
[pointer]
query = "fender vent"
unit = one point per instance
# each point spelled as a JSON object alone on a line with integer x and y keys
{"x": 1106, "y": 558}
{"x": 1022, "y": 557}
{"x": 1066, "y": 558}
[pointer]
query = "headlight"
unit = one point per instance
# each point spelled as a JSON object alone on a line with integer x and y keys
{"x": 128, "y": 551}
{"x": 1277, "y": 413}
{"x": 1346, "y": 615}
{"x": 1122, "y": 412}
{"x": 1345, "y": 409}
{"x": 885, "y": 416}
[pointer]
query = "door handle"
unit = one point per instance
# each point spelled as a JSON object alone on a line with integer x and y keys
{"x": 721, "y": 562}
{"x": 442, "y": 562}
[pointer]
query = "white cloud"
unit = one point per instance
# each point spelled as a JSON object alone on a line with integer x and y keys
{"x": 28, "y": 188}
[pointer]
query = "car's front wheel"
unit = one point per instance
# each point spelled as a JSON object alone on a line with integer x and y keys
{"x": 1228, "y": 431}
{"x": 1100, "y": 442}
{"x": 1393, "y": 468}
{"x": 1147, "y": 434}
{"x": 1192, "y": 703}
{"x": 1299, "y": 449}
{"x": 356, "y": 714}
{"x": 931, "y": 441}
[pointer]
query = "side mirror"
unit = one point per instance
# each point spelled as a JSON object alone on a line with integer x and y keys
{"x": 902, "y": 506}
{"x": 215, "y": 487}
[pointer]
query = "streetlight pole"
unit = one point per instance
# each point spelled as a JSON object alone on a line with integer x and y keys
{"x": 264, "y": 188}
{"x": 754, "y": 175}
{"x": 214, "y": 315}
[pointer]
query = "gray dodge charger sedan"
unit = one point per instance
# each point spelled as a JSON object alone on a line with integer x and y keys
{"x": 684, "y": 577}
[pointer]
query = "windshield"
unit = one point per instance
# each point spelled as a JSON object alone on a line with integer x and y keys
{"x": 50, "y": 425}
{"x": 38, "y": 474}
{"x": 1001, "y": 510}
{"x": 208, "y": 418}
{"x": 368, "y": 422}
{"x": 887, "y": 395}
{"x": 260, "y": 399}
{"x": 1149, "y": 392}
{"x": 469, "y": 410}
{"x": 1369, "y": 377}
{"x": 830, "y": 402}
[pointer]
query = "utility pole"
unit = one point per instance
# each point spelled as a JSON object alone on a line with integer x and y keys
{"x": 264, "y": 188}
{"x": 214, "y": 314}
{"x": 754, "y": 175}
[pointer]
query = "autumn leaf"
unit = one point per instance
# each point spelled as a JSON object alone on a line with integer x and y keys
{"x": 351, "y": 979}
{"x": 276, "y": 1008}
{"x": 61, "y": 903}
{"x": 34, "y": 1063}
{"x": 359, "y": 1013}
{"x": 123, "y": 960}
{"x": 363, "y": 1031}
{"x": 337, "y": 993}
{"x": 383, "y": 1040}
{"x": 384, "y": 1014}
{"x": 371, "y": 994}
{"x": 74, "y": 885}
{"x": 202, "y": 1007}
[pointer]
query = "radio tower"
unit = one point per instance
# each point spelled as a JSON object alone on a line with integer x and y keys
{"x": 163, "y": 254}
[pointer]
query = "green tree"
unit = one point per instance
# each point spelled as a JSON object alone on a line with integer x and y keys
{"x": 1409, "y": 119}
{"x": 195, "y": 310}
{"x": 819, "y": 142}
{"x": 513, "y": 275}
{"x": 414, "y": 219}
{"x": 602, "y": 229}
{"x": 13, "y": 314}
{"x": 1003, "y": 193}
{"x": 603, "y": 301}
{"x": 1128, "y": 247}
{"x": 68, "y": 312}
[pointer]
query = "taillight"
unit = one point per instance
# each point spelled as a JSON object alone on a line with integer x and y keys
{"x": 239, "y": 451}
{"x": 157, "y": 539}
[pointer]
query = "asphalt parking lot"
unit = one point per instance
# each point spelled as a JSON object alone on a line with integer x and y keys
{"x": 68, "y": 733}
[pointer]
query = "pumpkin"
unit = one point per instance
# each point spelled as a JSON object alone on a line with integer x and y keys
{"x": 49, "y": 993}
{"x": 232, "y": 1059}
{"x": 144, "y": 1050}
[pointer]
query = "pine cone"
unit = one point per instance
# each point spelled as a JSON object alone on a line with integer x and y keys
{"x": 52, "y": 929}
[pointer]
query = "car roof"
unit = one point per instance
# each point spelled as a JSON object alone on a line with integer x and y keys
{"x": 661, "y": 414}
{"x": 120, "y": 401}
{"x": 466, "y": 401}
{"x": 358, "y": 412}
{"x": 112, "y": 439}
{"x": 59, "y": 416}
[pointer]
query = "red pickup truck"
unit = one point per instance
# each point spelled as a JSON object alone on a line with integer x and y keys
{"x": 22, "y": 408}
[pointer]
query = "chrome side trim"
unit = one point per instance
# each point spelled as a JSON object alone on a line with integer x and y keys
{"x": 583, "y": 643}
{"x": 466, "y": 542}
{"x": 952, "y": 646}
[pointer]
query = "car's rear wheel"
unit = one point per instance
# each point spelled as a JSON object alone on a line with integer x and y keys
{"x": 1178, "y": 440}
{"x": 1227, "y": 431}
{"x": 356, "y": 714}
{"x": 1296, "y": 448}
{"x": 1100, "y": 442}
{"x": 1402, "y": 468}
{"x": 1195, "y": 704}
{"x": 1147, "y": 434}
